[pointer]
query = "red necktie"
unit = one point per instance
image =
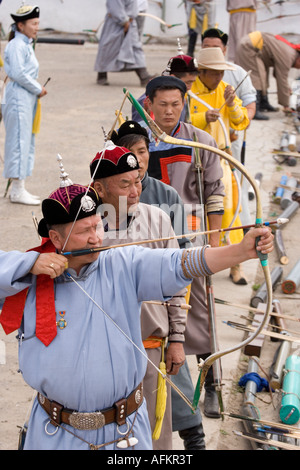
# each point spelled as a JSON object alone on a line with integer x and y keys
{"x": 13, "y": 308}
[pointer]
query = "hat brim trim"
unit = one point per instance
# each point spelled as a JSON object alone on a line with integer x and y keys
{"x": 26, "y": 15}
{"x": 215, "y": 67}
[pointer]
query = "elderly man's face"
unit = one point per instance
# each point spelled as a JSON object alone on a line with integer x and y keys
{"x": 211, "y": 78}
{"x": 84, "y": 234}
{"x": 116, "y": 189}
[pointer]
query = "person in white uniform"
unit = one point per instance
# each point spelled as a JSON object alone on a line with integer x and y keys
{"x": 20, "y": 103}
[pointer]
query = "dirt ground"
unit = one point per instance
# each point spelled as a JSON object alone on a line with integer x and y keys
{"x": 74, "y": 114}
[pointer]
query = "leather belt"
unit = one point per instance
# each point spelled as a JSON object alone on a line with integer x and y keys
{"x": 97, "y": 419}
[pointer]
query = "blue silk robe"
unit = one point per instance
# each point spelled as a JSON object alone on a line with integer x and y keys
{"x": 90, "y": 364}
{"x": 19, "y": 106}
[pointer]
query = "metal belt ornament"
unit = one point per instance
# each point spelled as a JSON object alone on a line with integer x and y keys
{"x": 204, "y": 366}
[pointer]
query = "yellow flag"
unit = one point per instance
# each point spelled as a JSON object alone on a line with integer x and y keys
{"x": 37, "y": 118}
{"x": 161, "y": 401}
{"x": 193, "y": 19}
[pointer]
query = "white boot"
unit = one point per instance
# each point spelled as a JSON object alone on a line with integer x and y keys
{"x": 19, "y": 195}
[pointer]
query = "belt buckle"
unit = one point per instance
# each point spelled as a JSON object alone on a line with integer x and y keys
{"x": 87, "y": 421}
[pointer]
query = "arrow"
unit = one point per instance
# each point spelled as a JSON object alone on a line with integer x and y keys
{"x": 285, "y": 427}
{"x": 262, "y": 440}
{"x": 257, "y": 310}
{"x": 240, "y": 326}
{"x": 286, "y": 153}
{"x": 168, "y": 304}
{"x": 175, "y": 237}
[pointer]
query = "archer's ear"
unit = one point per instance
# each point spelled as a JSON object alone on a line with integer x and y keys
{"x": 99, "y": 188}
{"x": 56, "y": 239}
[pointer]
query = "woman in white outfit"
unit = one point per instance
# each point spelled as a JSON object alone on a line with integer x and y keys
{"x": 20, "y": 102}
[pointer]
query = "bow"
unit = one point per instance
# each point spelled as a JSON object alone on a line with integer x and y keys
{"x": 209, "y": 284}
{"x": 156, "y": 18}
{"x": 159, "y": 134}
{"x": 226, "y": 138}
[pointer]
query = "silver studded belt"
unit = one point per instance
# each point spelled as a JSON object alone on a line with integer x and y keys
{"x": 97, "y": 419}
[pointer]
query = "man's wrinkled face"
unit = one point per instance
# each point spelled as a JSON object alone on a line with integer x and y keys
{"x": 85, "y": 233}
{"x": 126, "y": 185}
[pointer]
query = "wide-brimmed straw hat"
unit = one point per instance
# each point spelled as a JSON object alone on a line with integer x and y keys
{"x": 212, "y": 58}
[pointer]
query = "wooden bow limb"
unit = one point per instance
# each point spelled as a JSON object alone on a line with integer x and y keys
{"x": 159, "y": 134}
{"x": 156, "y": 18}
{"x": 217, "y": 369}
{"x": 195, "y": 97}
{"x": 118, "y": 114}
{"x": 227, "y": 143}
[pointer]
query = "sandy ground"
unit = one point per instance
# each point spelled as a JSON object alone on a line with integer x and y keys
{"x": 73, "y": 115}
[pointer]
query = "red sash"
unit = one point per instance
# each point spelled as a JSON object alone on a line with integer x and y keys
{"x": 294, "y": 46}
{"x": 13, "y": 308}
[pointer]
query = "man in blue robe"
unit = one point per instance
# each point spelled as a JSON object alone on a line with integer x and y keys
{"x": 80, "y": 342}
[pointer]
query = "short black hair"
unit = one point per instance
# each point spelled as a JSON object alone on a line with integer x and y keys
{"x": 215, "y": 33}
{"x": 131, "y": 139}
{"x": 168, "y": 82}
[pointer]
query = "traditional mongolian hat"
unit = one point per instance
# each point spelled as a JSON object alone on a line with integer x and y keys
{"x": 113, "y": 160}
{"x": 181, "y": 63}
{"x": 215, "y": 33}
{"x": 165, "y": 82}
{"x": 128, "y": 128}
{"x": 26, "y": 12}
{"x": 68, "y": 203}
{"x": 212, "y": 58}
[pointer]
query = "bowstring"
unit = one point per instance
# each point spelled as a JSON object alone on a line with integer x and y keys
{"x": 88, "y": 188}
{"x": 182, "y": 395}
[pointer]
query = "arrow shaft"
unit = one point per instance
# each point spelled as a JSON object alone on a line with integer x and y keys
{"x": 271, "y": 442}
{"x": 285, "y": 427}
{"x": 168, "y": 304}
{"x": 257, "y": 310}
{"x": 153, "y": 240}
{"x": 265, "y": 332}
